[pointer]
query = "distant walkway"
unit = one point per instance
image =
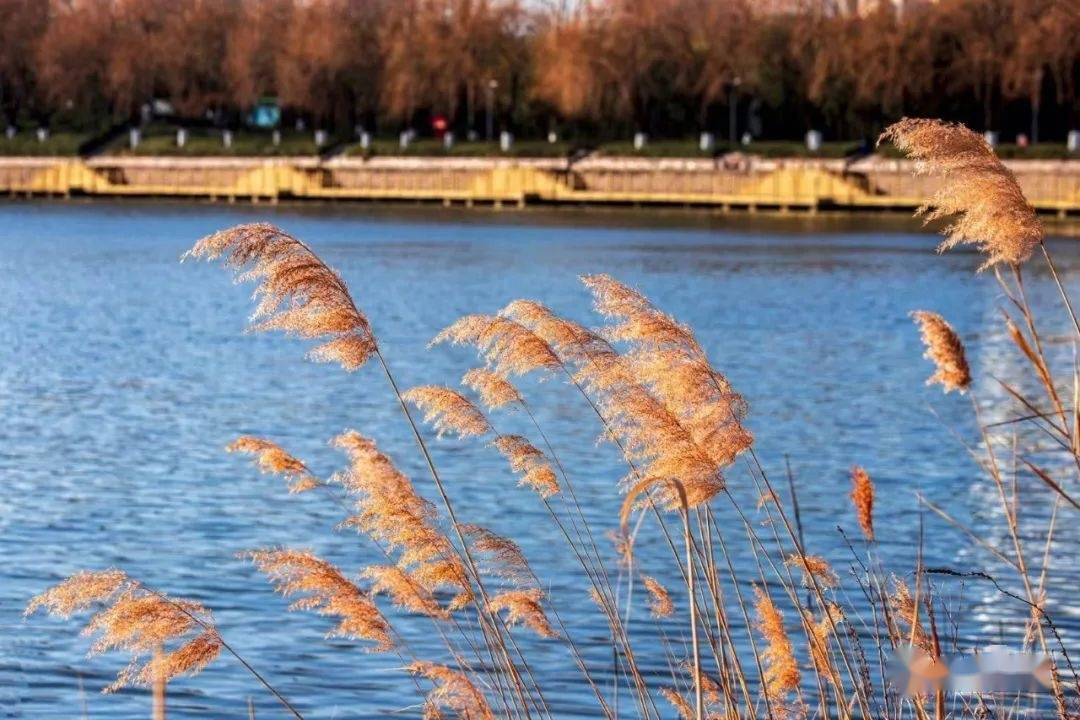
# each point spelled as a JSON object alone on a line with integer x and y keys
{"x": 732, "y": 183}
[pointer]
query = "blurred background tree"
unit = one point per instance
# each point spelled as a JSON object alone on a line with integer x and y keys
{"x": 589, "y": 68}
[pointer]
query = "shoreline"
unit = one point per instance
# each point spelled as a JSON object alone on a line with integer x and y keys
{"x": 731, "y": 184}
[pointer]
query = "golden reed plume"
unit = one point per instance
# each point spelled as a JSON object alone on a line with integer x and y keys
{"x": 324, "y": 589}
{"x": 390, "y": 511}
{"x": 494, "y": 390}
{"x": 862, "y": 496}
{"x": 990, "y": 209}
{"x": 944, "y": 349}
{"x": 506, "y": 558}
{"x": 507, "y": 347}
{"x": 781, "y": 668}
{"x": 523, "y": 607}
{"x": 904, "y": 607}
{"x": 820, "y": 632}
{"x": 667, "y": 358}
{"x": 404, "y": 591}
{"x": 682, "y": 706}
{"x": 710, "y": 688}
{"x": 453, "y": 691}
{"x": 530, "y": 462}
{"x": 448, "y": 411}
{"x": 271, "y": 458}
{"x": 138, "y": 621}
{"x": 660, "y": 604}
{"x": 297, "y": 292}
{"x": 816, "y": 567}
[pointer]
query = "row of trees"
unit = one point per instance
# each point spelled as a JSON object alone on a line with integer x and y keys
{"x": 667, "y": 67}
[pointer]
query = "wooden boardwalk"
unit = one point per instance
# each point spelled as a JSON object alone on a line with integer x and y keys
{"x": 745, "y": 184}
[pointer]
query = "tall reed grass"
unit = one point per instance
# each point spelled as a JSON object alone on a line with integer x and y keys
{"x": 679, "y": 426}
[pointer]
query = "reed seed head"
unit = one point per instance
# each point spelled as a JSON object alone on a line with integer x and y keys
{"x": 453, "y": 691}
{"x": 297, "y": 292}
{"x": 271, "y": 458}
{"x": 508, "y": 347}
{"x": 448, "y": 411}
{"x": 862, "y": 496}
{"x": 506, "y": 557}
{"x": 523, "y": 607}
{"x": 527, "y": 460}
{"x": 321, "y": 587}
{"x": 660, "y": 604}
{"x": 405, "y": 592}
{"x": 983, "y": 196}
{"x": 781, "y": 668}
{"x": 494, "y": 390}
{"x": 945, "y": 350}
{"x": 78, "y": 593}
{"x": 138, "y": 621}
{"x": 682, "y": 706}
{"x": 816, "y": 567}
{"x": 904, "y": 607}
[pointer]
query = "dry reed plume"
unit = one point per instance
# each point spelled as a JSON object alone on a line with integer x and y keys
{"x": 906, "y": 609}
{"x": 271, "y": 458}
{"x": 138, "y": 621}
{"x": 453, "y": 691}
{"x": 494, "y": 390}
{"x": 523, "y": 607}
{"x": 862, "y": 496}
{"x": 813, "y": 565}
{"x": 448, "y": 411}
{"x": 325, "y": 590}
{"x": 781, "y": 667}
{"x": 660, "y": 604}
{"x": 404, "y": 591}
{"x": 682, "y": 706}
{"x": 990, "y": 210}
{"x": 530, "y": 462}
{"x": 509, "y": 348}
{"x": 820, "y": 631}
{"x": 391, "y": 512}
{"x": 945, "y": 350}
{"x": 506, "y": 558}
{"x": 297, "y": 292}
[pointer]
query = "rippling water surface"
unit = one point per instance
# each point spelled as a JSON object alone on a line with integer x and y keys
{"x": 125, "y": 373}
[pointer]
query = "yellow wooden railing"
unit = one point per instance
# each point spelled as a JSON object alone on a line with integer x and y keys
{"x": 1053, "y": 187}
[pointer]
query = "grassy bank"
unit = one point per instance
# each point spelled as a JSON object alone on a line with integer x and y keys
{"x": 160, "y": 141}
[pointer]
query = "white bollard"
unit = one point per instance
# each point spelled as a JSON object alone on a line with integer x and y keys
{"x": 813, "y": 140}
{"x": 404, "y": 139}
{"x": 553, "y": 137}
{"x": 991, "y": 137}
{"x": 42, "y": 134}
{"x": 320, "y": 138}
{"x": 747, "y": 138}
{"x": 181, "y": 137}
{"x": 706, "y": 142}
{"x": 506, "y": 141}
{"x": 275, "y": 138}
{"x": 226, "y": 138}
{"x": 448, "y": 140}
{"x": 1074, "y": 141}
{"x": 640, "y": 139}
{"x": 10, "y": 132}
{"x": 134, "y": 137}
{"x": 365, "y": 140}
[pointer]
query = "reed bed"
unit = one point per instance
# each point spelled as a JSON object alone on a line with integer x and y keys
{"x": 787, "y": 642}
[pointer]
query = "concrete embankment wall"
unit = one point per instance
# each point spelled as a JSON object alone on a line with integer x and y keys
{"x": 733, "y": 183}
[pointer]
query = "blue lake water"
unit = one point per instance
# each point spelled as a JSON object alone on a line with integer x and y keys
{"x": 124, "y": 374}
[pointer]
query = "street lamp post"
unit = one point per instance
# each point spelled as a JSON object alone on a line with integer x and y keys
{"x": 492, "y": 85}
{"x": 732, "y": 100}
